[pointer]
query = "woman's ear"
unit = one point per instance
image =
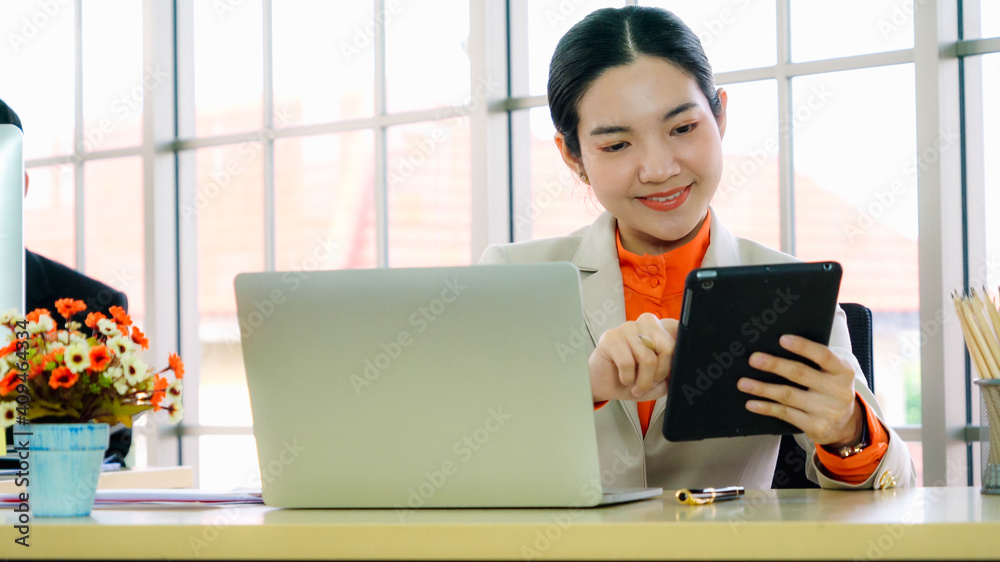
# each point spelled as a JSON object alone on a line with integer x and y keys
{"x": 721, "y": 118}
{"x": 572, "y": 162}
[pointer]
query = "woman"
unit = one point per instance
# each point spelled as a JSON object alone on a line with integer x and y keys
{"x": 639, "y": 119}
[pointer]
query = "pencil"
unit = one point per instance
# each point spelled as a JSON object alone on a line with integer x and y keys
{"x": 980, "y": 331}
{"x": 648, "y": 341}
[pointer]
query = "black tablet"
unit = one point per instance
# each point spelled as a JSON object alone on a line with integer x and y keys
{"x": 728, "y": 313}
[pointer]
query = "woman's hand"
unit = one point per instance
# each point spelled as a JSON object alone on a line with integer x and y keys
{"x": 624, "y": 367}
{"x": 826, "y": 411}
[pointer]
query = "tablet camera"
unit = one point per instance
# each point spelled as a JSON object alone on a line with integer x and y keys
{"x": 707, "y": 285}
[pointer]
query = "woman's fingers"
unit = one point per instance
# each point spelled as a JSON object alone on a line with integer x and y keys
{"x": 654, "y": 367}
{"x": 632, "y": 360}
{"x": 824, "y": 410}
{"x": 821, "y": 355}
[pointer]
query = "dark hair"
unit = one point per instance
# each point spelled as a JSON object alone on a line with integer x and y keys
{"x": 613, "y": 37}
{"x": 8, "y": 117}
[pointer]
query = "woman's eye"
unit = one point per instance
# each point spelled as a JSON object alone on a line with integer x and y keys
{"x": 685, "y": 129}
{"x": 615, "y": 147}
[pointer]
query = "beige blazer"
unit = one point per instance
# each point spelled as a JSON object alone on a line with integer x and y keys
{"x": 628, "y": 459}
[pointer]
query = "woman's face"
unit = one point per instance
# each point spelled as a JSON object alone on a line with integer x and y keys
{"x": 652, "y": 152}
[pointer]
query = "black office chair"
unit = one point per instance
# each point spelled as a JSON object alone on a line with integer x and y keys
{"x": 790, "y": 472}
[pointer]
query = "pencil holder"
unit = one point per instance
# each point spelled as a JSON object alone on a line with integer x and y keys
{"x": 989, "y": 436}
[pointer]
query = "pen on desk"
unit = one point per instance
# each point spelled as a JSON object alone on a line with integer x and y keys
{"x": 703, "y": 496}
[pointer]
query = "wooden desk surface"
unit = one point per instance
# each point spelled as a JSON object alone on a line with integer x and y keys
{"x": 914, "y": 524}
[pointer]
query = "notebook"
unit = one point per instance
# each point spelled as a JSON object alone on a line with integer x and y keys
{"x": 422, "y": 388}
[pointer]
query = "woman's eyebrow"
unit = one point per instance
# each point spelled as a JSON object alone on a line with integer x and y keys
{"x": 613, "y": 129}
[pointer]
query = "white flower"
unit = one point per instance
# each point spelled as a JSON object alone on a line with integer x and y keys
{"x": 8, "y": 413}
{"x": 77, "y": 337}
{"x": 174, "y": 391}
{"x": 120, "y": 345}
{"x": 172, "y": 394}
{"x": 175, "y": 412}
{"x": 135, "y": 369}
{"x": 122, "y": 386}
{"x": 10, "y": 316}
{"x": 63, "y": 337}
{"x": 108, "y": 327}
{"x": 4, "y": 367}
{"x": 44, "y": 324}
{"x": 77, "y": 357}
{"x": 111, "y": 374}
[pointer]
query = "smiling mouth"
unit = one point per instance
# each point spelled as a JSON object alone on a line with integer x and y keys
{"x": 666, "y": 195}
{"x": 666, "y": 200}
{"x": 662, "y": 199}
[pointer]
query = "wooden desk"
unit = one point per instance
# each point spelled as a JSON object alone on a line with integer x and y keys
{"x": 921, "y": 523}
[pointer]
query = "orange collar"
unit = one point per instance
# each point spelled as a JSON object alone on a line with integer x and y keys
{"x": 655, "y": 276}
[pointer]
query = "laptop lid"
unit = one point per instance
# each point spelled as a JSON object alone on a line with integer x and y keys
{"x": 424, "y": 387}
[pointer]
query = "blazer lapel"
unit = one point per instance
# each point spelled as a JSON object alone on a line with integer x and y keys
{"x": 603, "y": 288}
{"x": 723, "y": 248}
{"x": 601, "y": 279}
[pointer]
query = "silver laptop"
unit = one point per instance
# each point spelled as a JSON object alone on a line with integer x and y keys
{"x": 418, "y": 388}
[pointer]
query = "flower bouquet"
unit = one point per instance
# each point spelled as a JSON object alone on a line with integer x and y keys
{"x": 67, "y": 376}
{"x": 63, "y": 388}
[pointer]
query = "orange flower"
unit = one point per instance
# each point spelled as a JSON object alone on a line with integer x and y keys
{"x": 9, "y": 349}
{"x": 158, "y": 392}
{"x": 34, "y": 315}
{"x": 9, "y": 383}
{"x": 99, "y": 357}
{"x": 92, "y": 319}
{"x": 176, "y": 365}
{"x": 69, "y": 307}
{"x": 62, "y": 376}
{"x": 118, "y": 313}
{"x": 139, "y": 338}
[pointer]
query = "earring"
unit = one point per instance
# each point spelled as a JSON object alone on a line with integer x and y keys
{"x": 583, "y": 176}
